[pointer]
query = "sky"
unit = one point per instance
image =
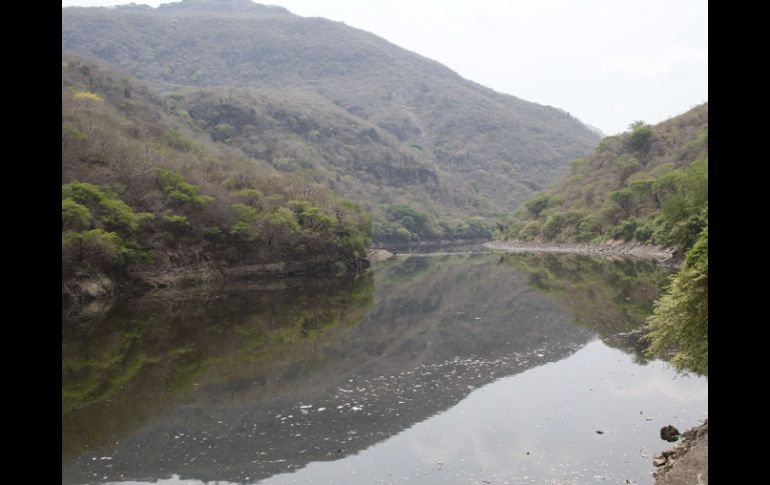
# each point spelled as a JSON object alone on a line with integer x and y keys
{"x": 607, "y": 62}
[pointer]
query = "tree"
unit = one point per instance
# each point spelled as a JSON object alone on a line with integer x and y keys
{"x": 537, "y": 204}
{"x": 223, "y": 132}
{"x": 624, "y": 198}
{"x": 679, "y": 323}
{"x": 74, "y": 215}
{"x": 641, "y": 136}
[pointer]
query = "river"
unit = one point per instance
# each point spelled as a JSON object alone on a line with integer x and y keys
{"x": 459, "y": 366}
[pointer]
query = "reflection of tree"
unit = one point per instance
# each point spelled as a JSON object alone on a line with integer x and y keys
{"x": 129, "y": 363}
{"x": 611, "y": 296}
{"x": 441, "y": 326}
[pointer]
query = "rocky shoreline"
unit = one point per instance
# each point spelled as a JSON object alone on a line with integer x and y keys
{"x": 85, "y": 286}
{"x": 611, "y": 248}
{"x": 687, "y": 462}
{"x": 90, "y": 285}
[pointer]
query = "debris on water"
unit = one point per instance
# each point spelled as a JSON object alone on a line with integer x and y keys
{"x": 598, "y": 431}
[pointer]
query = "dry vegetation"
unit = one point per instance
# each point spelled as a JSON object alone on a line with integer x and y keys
{"x": 649, "y": 185}
{"x": 396, "y": 132}
{"x": 143, "y": 189}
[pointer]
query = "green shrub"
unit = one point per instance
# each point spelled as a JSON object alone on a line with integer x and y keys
{"x": 244, "y": 228}
{"x": 74, "y": 216}
{"x": 624, "y": 198}
{"x": 685, "y": 233}
{"x": 588, "y": 228}
{"x": 531, "y": 230}
{"x": 83, "y": 193}
{"x": 117, "y": 216}
{"x": 100, "y": 248}
{"x": 178, "y": 189}
{"x": 625, "y": 230}
{"x": 643, "y": 233}
{"x": 222, "y": 132}
{"x": 679, "y": 323}
{"x": 249, "y": 196}
{"x": 553, "y": 225}
{"x": 641, "y": 137}
{"x": 537, "y": 204}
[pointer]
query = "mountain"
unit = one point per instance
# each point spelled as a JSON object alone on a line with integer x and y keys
{"x": 416, "y": 144}
{"x": 649, "y": 184}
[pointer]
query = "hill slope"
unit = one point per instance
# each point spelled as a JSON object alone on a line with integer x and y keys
{"x": 649, "y": 185}
{"x": 145, "y": 196}
{"x": 465, "y": 149}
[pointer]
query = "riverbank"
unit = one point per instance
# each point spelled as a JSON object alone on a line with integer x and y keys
{"x": 686, "y": 463}
{"x": 612, "y": 248}
{"x": 183, "y": 272}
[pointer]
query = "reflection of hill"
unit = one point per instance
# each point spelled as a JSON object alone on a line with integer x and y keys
{"x": 129, "y": 362}
{"x": 439, "y": 327}
{"x": 611, "y": 296}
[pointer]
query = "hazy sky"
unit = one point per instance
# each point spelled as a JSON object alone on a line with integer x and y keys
{"x": 608, "y": 62}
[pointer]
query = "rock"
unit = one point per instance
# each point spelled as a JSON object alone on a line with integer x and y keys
{"x": 669, "y": 433}
{"x": 694, "y": 433}
{"x": 687, "y": 462}
{"x": 659, "y": 462}
{"x": 599, "y": 432}
{"x": 379, "y": 255}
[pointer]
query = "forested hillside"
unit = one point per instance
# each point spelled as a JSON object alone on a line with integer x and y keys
{"x": 420, "y": 147}
{"x": 649, "y": 184}
{"x": 142, "y": 191}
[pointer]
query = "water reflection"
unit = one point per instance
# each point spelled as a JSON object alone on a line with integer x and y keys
{"x": 128, "y": 361}
{"x": 610, "y": 296}
{"x": 241, "y": 385}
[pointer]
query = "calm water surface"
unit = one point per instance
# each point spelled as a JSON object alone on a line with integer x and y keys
{"x": 467, "y": 367}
